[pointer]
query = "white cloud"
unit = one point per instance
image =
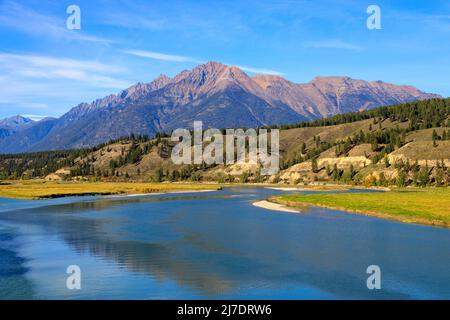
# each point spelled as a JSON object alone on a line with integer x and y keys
{"x": 331, "y": 44}
{"x": 176, "y": 58}
{"x": 49, "y": 85}
{"x": 161, "y": 56}
{"x": 260, "y": 71}
{"x": 16, "y": 66}
{"x": 34, "y": 117}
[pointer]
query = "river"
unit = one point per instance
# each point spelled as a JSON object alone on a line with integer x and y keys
{"x": 213, "y": 245}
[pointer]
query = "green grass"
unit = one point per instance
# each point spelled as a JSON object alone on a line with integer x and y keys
{"x": 426, "y": 206}
{"x": 33, "y": 189}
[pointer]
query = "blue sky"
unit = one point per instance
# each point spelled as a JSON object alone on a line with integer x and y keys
{"x": 46, "y": 69}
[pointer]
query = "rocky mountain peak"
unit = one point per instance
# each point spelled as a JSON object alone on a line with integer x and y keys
{"x": 265, "y": 81}
{"x": 14, "y": 121}
{"x": 161, "y": 81}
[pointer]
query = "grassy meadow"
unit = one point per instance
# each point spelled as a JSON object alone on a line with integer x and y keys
{"x": 429, "y": 206}
{"x": 32, "y": 189}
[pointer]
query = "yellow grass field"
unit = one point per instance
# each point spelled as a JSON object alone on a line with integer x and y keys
{"x": 423, "y": 206}
{"x": 33, "y": 189}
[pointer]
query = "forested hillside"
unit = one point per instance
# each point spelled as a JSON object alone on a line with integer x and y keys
{"x": 402, "y": 144}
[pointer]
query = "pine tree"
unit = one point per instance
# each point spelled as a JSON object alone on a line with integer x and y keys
{"x": 435, "y": 137}
{"x": 337, "y": 150}
{"x": 159, "y": 174}
{"x": 424, "y": 176}
{"x": 336, "y": 174}
{"x": 401, "y": 179}
{"x": 317, "y": 142}
{"x": 314, "y": 165}
{"x": 382, "y": 180}
{"x": 244, "y": 177}
{"x": 439, "y": 176}
{"x": 175, "y": 175}
{"x": 303, "y": 148}
{"x": 352, "y": 171}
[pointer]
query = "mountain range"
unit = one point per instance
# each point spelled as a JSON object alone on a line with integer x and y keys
{"x": 219, "y": 95}
{"x": 11, "y": 125}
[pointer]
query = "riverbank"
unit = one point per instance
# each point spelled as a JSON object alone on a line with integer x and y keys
{"x": 429, "y": 206}
{"x": 38, "y": 189}
{"x": 41, "y": 189}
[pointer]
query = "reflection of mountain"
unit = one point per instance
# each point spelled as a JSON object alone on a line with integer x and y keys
{"x": 161, "y": 261}
{"x": 204, "y": 249}
{"x": 221, "y": 96}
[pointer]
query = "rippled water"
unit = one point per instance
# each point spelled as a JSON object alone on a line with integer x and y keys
{"x": 212, "y": 245}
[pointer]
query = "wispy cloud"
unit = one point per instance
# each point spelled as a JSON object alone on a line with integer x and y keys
{"x": 331, "y": 44}
{"x": 43, "y": 67}
{"x": 27, "y": 20}
{"x": 34, "y": 82}
{"x": 34, "y": 117}
{"x": 177, "y": 58}
{"x": 260, "y": 71}
{"x": 162, "y": 56}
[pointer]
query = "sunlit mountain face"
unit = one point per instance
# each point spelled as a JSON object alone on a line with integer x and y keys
{"x": 220, "y": 96}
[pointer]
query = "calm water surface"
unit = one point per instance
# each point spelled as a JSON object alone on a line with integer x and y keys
{"x": 212, "y": 245}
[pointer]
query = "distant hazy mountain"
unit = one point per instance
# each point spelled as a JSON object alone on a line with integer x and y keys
{"x": 14, "y": 122}
{"x": 219, "y": 95}
{"x": 11, "y": 125}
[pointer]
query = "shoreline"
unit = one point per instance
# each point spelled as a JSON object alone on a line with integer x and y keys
{"x": 42, "y": 190}
{"x": 126, "y": 195}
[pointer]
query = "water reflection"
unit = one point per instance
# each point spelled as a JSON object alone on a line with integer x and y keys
{"x": 13, "y": 284}
{"x": 221, "y": 246}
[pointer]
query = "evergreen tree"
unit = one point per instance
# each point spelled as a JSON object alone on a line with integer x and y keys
{"x": 424, "y": 176}
{"x": 314, "y": 165}
{"x": 244, "y": 177}
{"x": 386, "y": 162}
{"x": 336, "y": 174}
{"x": 328, "y": 170}
{"x": 401, "y": 180}
{"x": 382, "y": 180}
{"x": 439, "y": 176}
{"x": 175, "y": 175}
{"x": 159, "y": 175}
{"x": 435, "y": 137}
{"x": 303, "y": 148}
